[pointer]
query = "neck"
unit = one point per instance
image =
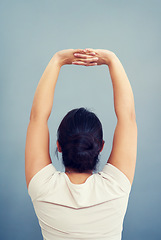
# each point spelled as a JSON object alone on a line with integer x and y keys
{"x": 71, "y": 171}
{"x": 76, "y": 177}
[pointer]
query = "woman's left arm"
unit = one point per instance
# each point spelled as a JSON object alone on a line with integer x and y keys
{"x": 37, "y": 154}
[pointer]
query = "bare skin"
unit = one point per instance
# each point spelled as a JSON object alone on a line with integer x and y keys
{"x": 124, "y": 149}
{"x": 78, "y": 178}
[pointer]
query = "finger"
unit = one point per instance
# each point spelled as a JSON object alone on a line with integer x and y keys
{"x": 79, "y": 51}
{"x": 79, "y": 63}
{"x": 83, "y": 63}
{"x": 79, "y": 55}
{"x": 91, "y": 64}
{"x": 90, "y": 53}
{"x": 89, "y": 50}
{"x": 89, "y": 60}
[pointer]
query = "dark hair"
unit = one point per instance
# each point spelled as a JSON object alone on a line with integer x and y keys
{"x": 80, "y": 137}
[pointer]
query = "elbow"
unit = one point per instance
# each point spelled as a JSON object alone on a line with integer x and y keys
{"x": 33, "y": 115}
{"x": 126, "y": 115}
{"x": 133, "y": 115}
{"x": 36, "y": 116}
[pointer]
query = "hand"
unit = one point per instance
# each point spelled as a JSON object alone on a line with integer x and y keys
{"x": 69, "y": 56}
{"x": 104, "y": 56}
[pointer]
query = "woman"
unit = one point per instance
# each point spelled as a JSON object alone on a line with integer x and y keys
{"x": 80, "y": 204}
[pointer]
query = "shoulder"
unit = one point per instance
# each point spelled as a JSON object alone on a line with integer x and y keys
{"x": 115, "y": 179}
{"x": 41, "y": 181}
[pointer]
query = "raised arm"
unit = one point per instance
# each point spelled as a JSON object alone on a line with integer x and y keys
{"x": 37, "y": 139}
{"x": 123, "y": 154}
{"x": 37, "y": 153}
{"x": 122, "y": 91}
{"x": 124, "y": 149}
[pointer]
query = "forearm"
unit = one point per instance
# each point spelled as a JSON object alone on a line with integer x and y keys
{"x": 43, "y": 99}
{"x": 122, "y": 91}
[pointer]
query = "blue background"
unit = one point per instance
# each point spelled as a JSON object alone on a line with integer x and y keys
{"x": 31, "y": 32}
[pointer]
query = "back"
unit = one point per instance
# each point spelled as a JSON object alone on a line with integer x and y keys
{"x": 92, "y": 210}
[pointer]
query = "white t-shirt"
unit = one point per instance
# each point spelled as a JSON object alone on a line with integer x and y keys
{"x": 92, "y": 210}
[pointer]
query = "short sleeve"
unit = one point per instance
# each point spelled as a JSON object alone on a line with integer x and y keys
{"x": 40, "y": 182}
{"x": 113, "y": 174}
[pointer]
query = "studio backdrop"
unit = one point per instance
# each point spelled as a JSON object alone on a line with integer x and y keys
{"x": 31, "y": 32}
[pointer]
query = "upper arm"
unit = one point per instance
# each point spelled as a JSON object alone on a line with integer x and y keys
{"x": 124, "y": 149}
{"x": 37, "y": 153}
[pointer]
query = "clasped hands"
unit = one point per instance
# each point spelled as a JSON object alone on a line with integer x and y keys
{"x": 84, "y": 57}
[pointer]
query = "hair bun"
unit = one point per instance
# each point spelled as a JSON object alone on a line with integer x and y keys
{"x": 83, "y": 141}
{"x": 81, "y": 149}
{"x": 80, "y": 137}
